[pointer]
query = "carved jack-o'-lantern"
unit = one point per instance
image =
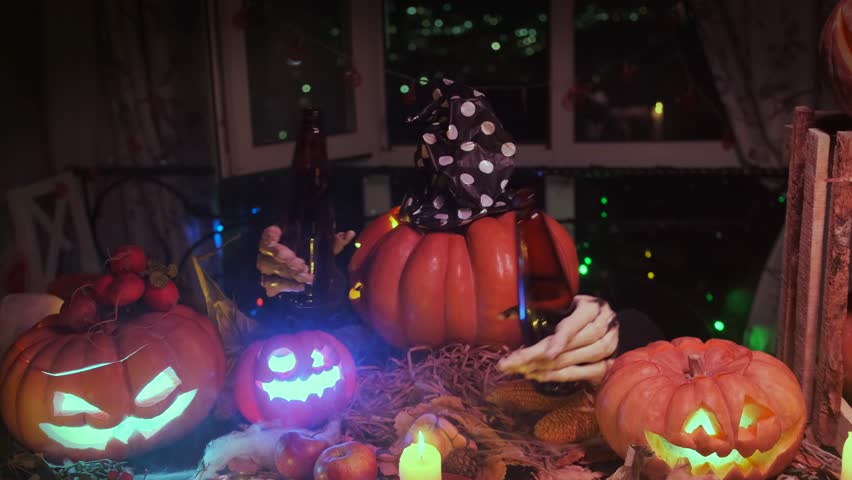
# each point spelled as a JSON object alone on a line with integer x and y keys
{"x": 299, "y": 379}
{"x": 112, "y": 392}
{"x": 723, "y": 408}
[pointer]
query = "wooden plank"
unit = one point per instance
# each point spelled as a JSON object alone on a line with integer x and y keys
{"x": 802, "y": 120}
{"x": 844, "y": 426}
{"x": 809, "y": 278}
{"x": 828, "y": 386}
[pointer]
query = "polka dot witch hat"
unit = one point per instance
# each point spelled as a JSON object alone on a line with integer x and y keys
{"x": 465, "y": 157}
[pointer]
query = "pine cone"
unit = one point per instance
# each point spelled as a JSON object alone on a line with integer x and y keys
{"x": 462, "y": 461}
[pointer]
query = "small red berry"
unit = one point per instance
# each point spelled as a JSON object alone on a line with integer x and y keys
{"x": 161, "y": 299}
{"x": 128, "y": 258}
{"x": 125, "y": 476}
{"x": 112, "y": 475}
{"x": 127, "y": 288}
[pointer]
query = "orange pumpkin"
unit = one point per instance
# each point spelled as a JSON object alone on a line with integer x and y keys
{"x": 725, "y": 409}
{"x": 835, "y": 53}
{"x": 113, "y": 391}
{"x": 430, "y": 288}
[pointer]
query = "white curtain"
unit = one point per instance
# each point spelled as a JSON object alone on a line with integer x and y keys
{"x": 763, "y": 55}
{"x": 152, "y": 63}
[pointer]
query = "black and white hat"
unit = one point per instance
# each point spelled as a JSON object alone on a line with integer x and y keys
{"x": 465, "y": 157}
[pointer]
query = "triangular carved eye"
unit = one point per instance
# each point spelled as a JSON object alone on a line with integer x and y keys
{"x": 702, "y": 418}
{"x": 752, "y": 413}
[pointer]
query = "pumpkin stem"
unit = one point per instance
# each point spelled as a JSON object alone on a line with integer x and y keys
{"x": 696, "y": 366}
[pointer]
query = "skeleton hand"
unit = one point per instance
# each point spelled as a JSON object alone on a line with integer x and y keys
{"x": 281, "y": 270}
{"x": 579, "y": 350}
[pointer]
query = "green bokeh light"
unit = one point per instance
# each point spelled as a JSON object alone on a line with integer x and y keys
{"x": 738, "y": 301}
{"x": 584, "y": 269}
{"x": 719, "y": 325}
{"x": 306, "y": 88}
{"x": 759, "y": 337}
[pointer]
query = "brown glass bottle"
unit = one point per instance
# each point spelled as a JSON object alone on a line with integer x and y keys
{"x": 308, "y": 225}
{"x": 544, "y": 291}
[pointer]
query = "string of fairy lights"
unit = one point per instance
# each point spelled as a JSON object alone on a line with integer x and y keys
{"x": 624, "y": 68}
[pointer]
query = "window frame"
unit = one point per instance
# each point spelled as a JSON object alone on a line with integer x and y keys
{"x": 237, "y": 153}
{"x": 239, "y": 156}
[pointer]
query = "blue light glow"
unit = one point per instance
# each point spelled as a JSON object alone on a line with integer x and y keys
{"x": 255, "y": 210}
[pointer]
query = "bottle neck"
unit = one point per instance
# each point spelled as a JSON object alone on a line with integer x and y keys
{"x": 311, "y": 150}
{"x": 312, "y": 122}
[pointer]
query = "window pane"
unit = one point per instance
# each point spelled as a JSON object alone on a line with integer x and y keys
{"x": 500, "y": 48}
{"x": 641, "y": 74}
{"x": 297, "y": 53}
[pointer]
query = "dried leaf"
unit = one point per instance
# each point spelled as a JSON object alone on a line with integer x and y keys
{"x": 573, "y": 454}
{"x": 570, "y": 472}
{"x": 449, "y": 402}
{"x": 684, "y": 472}
{"x": 494, "y": 468}
{"x": 622, "y": 473}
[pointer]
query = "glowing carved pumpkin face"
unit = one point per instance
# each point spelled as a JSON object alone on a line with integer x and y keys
{"x": 722, "y": 408}
{"x": 88, "y": 396}
{"x": 301, "y": 379}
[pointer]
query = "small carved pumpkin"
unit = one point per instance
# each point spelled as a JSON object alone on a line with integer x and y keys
{"x": 300, "y": 379}
{"x": 111, "y": 392}
{"x": 723, "y": 408}
{"x": 430, "y": 288}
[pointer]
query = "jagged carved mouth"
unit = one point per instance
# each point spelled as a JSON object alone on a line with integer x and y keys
{"x": 298, "y": 390}
{"x": 86, "y": 436}
{"x": 674, "y": 455}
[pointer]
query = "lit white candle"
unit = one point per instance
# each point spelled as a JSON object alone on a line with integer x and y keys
{"x": 846, "y": 459}
{"x": 420, "y": 461}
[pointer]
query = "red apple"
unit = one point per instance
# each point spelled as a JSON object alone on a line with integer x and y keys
{"x": 296, "y": 453}
{"x": 347, "y": 461}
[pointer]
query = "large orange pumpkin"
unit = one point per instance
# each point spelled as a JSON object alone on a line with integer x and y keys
{"x": 727, "y": 410}
{"x": 430, "y": 288}
{"x": 835, "y": 53}
{"x": 111, "y": 392}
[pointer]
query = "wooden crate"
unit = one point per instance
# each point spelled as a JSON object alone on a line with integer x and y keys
{"x": 815, "y": 275}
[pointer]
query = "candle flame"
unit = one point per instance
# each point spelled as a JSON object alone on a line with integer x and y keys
{"x": 420, "y": 443}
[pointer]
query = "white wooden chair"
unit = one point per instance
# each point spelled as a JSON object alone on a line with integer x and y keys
{"x": 68, "y": 241}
